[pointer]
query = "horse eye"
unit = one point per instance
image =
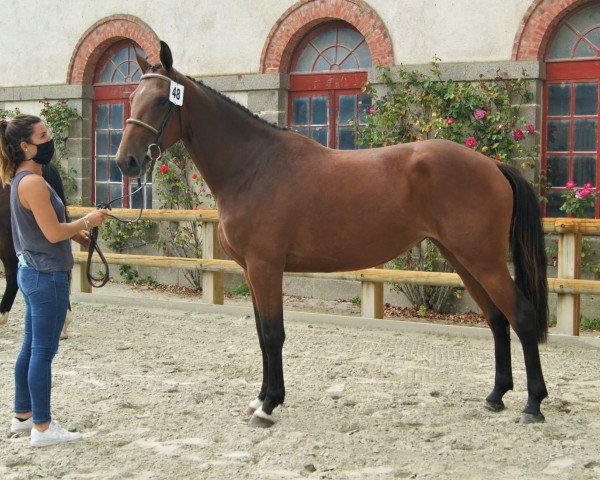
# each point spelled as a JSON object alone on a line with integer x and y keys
{"x": 162, "y": 101}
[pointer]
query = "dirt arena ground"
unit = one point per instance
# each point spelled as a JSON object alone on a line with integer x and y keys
{"x": 158, "y": 391}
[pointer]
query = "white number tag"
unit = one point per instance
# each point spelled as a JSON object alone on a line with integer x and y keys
{"x": 176, "y": 93}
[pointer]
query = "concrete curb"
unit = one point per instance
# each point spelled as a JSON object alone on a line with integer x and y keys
{"x": 400, "y": 326}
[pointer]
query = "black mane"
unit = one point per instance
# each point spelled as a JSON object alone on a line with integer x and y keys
{"x": 158, "y": 66}
{"x": 246, "y": 110}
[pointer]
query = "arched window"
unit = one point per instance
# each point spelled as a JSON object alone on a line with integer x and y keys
{"x": 117, "y": 75}
{"x": 328, "y": 71}
{"x": 570, "y": 146}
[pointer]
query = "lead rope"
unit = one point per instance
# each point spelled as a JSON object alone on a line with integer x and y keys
{"x": 99, "y": 282}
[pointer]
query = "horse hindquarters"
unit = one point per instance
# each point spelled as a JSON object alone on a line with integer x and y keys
{"x": 524, "y": 304}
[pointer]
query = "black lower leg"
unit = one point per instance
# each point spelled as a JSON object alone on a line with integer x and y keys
{"x": 274, "y": 337}
{"x": 265, "y": 364}
{"x": 526, "y": 330}
{"x": 503, "y": 381}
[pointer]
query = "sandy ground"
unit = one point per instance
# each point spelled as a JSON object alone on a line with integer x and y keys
{"x": 159, "y": 393}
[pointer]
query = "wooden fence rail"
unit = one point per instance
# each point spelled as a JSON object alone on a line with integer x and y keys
{"x": 569, "y": 285}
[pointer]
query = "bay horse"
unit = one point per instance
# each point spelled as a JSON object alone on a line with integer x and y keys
{"x": 8, "y": 256}
{"x": 286, "y": 203}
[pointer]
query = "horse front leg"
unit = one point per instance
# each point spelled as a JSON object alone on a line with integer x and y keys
{"x": 258, "y": 401}
{"x": 266, "y": 285}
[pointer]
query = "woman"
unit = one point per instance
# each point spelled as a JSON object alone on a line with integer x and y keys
{"x": 41, "y": 236}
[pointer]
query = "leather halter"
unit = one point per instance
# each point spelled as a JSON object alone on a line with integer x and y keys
{"x": 157, "y": 132}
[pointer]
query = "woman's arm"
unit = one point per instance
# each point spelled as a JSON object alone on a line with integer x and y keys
{"x": 34, "y": 195}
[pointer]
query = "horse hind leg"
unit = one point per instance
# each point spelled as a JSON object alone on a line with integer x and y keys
{"x": 10, "y": 292}
{"x": 498, "y": 323}
{"x": 489, "y": 268}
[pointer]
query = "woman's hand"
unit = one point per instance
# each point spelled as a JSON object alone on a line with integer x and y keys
{"x": 97, "y": 217}
{"x": 82, "y": 238}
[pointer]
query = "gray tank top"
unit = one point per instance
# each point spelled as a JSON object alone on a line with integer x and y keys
{"x": 28, "y": 238}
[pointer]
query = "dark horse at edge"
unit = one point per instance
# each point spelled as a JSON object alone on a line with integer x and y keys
{"x": 8, "y": 255}
{"x": 286, "y": 203}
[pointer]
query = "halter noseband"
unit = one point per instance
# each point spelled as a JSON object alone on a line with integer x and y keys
{"x": 159, "y": 132}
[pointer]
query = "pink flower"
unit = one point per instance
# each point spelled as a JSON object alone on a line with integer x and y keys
{"x": 372, "y": 110}
{"x": 479, "y": 114}
{"x": 194, "y": 176}
{"x": 582, "y": 193}
{"x": 518, "y": 135}
{"x": 570, "y": 184}
{"x": 450, "y": 120}
{"x": 587, "y": 186}
{"x": 530, "y": 128}
{"x": 471, "y": 142}
{"x": 164, "y": 169}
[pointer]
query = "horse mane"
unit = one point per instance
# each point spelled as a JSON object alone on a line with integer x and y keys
{"x": 239, "y": 106}
{"x": 216, "y": 93}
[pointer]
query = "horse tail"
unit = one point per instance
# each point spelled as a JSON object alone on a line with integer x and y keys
{"x": 528, "y": 248}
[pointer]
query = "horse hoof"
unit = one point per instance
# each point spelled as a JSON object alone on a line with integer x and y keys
{"x": 494, "y": 407}
{"x": 261, "y": 419}
{"x": 528, "y": 418}
{"x": 4, "y": 318}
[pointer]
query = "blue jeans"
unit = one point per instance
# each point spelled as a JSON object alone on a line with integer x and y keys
{"x": 46, "y": 297}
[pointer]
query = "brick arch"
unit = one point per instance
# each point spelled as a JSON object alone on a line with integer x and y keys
{"x": 102, "y": 35}
{"x": 303, "y": 16}
{"x": 538, "y": 25}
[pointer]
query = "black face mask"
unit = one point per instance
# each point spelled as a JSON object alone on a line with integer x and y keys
{"x": 45, "y": 152}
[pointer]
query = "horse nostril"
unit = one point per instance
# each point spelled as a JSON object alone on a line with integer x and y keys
{"x": 132, "y": 162}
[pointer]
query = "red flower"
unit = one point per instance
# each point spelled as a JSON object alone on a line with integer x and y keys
{"x": 518, "y": 135}
{"x": 450, "y": 120}
{"x": 570, "y": 184}
{"x": 372, "y": 110}
{"x": 530, "y": 129}
{"x": 194, "y": 176}
{"x": 587, "y": 186}
{"x": 471, "y": 142}
{"x": 164, "y": 169}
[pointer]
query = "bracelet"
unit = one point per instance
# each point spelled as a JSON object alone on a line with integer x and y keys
{"x": 88, "y": 226}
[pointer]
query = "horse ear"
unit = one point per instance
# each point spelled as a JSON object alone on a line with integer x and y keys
{"x": 142, "y": 62}
{"x": 165, "y": 56}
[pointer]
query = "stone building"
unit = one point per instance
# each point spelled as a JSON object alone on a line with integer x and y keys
{"x": 299, "y": 63}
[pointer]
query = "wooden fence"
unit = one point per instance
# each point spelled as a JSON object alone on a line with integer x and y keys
{"x": 569, "y": 285}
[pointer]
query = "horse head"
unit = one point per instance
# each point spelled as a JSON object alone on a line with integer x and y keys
{"x": 155, "y": 123}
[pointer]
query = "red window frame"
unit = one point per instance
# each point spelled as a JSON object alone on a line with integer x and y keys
{"x": 329, "y": 84}
{"x": 113, "y": 93}
{"x": 571, "y": 72}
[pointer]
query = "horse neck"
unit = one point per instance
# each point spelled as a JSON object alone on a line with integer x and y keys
{"x": 224, "y": 141}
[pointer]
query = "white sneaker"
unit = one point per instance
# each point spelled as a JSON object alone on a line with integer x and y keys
{"x": 53, "y": 435}
{"x": 17, "y": 426}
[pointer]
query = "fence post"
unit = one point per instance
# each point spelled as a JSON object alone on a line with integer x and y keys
{"x": 371, "y": 300}
{"x": 79, "y": 278}
{"x": 212, "y": 282}
{"x": 569, "y": 266}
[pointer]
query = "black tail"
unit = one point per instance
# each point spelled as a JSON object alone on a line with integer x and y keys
{"x": 528, "y": 248}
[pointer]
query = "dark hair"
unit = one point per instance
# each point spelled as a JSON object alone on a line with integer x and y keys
{"x": 12, "y": 133}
